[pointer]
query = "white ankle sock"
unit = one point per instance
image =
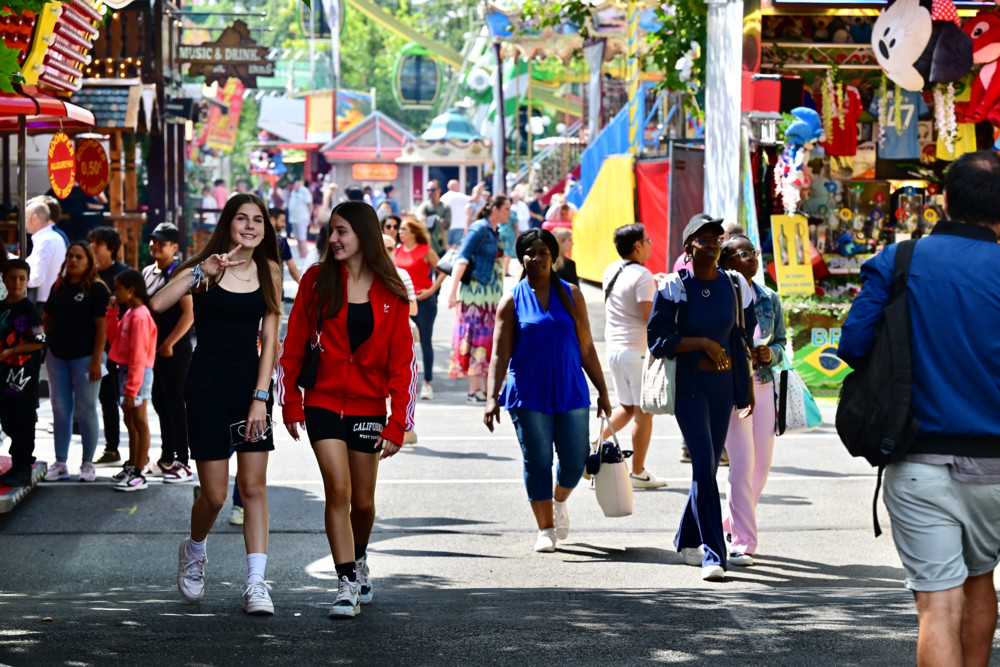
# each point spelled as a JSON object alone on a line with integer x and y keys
{"x": 255, "y": 567}
{"x": 196, "y": 549}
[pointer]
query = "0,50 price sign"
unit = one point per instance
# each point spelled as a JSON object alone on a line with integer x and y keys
{"x": 92, "y": 169}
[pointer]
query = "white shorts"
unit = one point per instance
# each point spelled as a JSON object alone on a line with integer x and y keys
{"x": 626, "y": 373}
{"x": 301, "y": 230}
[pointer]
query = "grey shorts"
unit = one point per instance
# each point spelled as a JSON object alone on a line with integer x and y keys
{"x": 945, "y": 530}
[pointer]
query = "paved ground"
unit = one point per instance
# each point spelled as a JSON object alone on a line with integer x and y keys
{"x": 88, "y": 574}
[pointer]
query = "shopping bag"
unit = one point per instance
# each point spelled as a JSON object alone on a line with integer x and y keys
{"x": 659, "y": 385}
{"x": 612, "y": 485}
{"x": 796, "y": 410}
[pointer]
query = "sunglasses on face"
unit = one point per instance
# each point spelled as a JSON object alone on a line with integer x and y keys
{"x": 747, "y": 254}
{"x": 708, "y": 241}
{"x": 390, "y": 226}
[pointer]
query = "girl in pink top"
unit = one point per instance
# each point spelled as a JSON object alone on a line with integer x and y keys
{"x": 133, "y": 348}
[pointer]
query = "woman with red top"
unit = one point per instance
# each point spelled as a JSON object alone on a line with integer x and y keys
{"x": 133, "y": 348}
{"x": 418, "y": 259}
{"x": 357, "y": 301}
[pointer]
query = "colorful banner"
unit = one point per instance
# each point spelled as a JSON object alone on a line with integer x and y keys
{"x": 92, "y": 168}
{"x": 792, "y": 256}
{"x": 815, "y": 335}
{"x": 352, "y": 108}
{"x": 221, "y": 132}
{"x": 62, "y": 165}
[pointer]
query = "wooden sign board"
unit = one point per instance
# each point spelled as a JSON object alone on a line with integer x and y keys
{"x": 234, "y": 55}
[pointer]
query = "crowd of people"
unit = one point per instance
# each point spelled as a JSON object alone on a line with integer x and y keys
{"x": 199, "y": 339}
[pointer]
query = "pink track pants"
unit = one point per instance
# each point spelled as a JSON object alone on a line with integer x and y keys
{"x": 750, "y": 445}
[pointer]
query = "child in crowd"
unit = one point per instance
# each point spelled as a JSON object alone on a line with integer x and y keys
{"x": 133, "y": 348}
{"x": 21, "y": 342}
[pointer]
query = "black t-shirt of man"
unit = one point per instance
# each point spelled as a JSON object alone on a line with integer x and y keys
{"x": 19, "y": 325}
{"x": 72, "y": 313}
{"x": 108, "y": 274}
{"x": 166, "y": 321}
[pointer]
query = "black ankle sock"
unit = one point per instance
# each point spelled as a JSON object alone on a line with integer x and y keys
{"x": 347, "y": 570}
{"x": 360, "y": 551}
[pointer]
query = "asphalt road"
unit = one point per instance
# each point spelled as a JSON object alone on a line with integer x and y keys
{"x": 88, "y": 575}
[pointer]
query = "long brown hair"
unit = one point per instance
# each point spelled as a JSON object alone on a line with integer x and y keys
{"x": 495, "y": 202}
{"x": 266, "y": 251}
{"x": 330, "y": 282}
{"x": 418, "y": 230}
{"x": 90, "y": 277}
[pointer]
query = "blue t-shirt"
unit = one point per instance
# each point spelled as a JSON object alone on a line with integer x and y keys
{"x": 905, "y": 144}
{"x": 545, "y": 372}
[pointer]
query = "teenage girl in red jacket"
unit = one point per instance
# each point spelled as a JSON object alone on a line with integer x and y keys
{"x": 366, "y": 356}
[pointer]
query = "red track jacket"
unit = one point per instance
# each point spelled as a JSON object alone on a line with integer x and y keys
{"x": 351, "y": 384}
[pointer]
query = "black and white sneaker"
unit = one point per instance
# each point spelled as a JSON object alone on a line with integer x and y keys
{"x": 364, "y": 580}
{"x": 348, "y": 602}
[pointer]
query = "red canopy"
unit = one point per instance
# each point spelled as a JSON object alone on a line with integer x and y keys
{"x": 42, "y": 112}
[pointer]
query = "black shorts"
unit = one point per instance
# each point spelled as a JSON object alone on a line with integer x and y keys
{"x": 214, "y": 401}
{"x": 360, "y": 433}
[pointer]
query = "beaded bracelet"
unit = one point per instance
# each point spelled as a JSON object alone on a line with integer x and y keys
{"x": 198, "y": 274}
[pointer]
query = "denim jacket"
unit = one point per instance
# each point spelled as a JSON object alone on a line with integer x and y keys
{"x": 767, "y": 305}
{"x": 480, "y": 247}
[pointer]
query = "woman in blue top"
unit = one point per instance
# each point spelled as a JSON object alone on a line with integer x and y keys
{"x": 750, "y": 442}
{"x": 472, "y": 337}
{"x": 694, "y": 321}
{"x": 542, "y": 330}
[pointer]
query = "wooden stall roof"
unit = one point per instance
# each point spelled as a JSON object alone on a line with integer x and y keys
{"x": 123, "y": 104}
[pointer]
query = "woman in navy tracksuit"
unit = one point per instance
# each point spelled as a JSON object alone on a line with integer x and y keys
{"x": 694, "y": 321}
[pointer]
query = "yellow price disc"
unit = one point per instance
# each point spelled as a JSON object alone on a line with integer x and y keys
{"x": 930, "y": 215}
{"x": 845, "y": 214}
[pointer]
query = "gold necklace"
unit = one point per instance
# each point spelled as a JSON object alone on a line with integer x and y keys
{"x": 247, "y": 279}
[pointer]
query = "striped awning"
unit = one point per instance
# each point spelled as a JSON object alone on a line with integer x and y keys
{"x": 42, "y": 112}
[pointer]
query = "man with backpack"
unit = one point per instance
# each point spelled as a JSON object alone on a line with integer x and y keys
{"x": 941, "y": 452}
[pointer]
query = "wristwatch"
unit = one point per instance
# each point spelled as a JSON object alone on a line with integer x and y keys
{"x": 261, "y": 395}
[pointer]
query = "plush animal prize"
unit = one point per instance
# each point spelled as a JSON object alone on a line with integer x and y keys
{"x": 984, "y": 29}
{"x": 790, "y": 173}
{"x": 920, "y": 42}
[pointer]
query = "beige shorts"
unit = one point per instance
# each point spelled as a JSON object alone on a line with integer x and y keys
{"x": 945, "y": 530}
{"x": 626, "y": 374}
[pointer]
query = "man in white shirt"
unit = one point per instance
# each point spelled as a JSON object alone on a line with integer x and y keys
{"x": 300, "y": 205}
{"x": 519, "y": 207}
{"x": 47, "y": 253}
{"x": 457, "y": 201}
{"x": 629, "y": 290}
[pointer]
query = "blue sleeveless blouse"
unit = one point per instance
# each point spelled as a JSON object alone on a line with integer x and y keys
{"x": 546, "y": 370}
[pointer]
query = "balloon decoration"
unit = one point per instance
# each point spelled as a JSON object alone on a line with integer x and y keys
{"x": 984, "y": 103}
{"x": 790, "y": 174}
{"x": 919, "y": 43}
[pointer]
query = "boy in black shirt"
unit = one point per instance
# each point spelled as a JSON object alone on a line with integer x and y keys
{"x": 21, "y": 342}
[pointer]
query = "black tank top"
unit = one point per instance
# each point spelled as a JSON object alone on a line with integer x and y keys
{"x": 226, "y": 324}
{"x": 360, "y": 324}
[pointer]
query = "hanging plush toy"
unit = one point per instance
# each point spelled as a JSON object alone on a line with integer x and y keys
{"x": 790, "y": 174}
{"x": 984, "y": 29}
{"x": 920, "y": 42}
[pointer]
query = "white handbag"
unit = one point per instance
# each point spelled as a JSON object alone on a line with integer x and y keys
{"x": 796, "y": 410}
{"x": 612, "y": 485}
{"x": 659, "y": 385}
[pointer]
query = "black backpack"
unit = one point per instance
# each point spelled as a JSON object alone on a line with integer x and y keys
{"x": 874, "y": 416}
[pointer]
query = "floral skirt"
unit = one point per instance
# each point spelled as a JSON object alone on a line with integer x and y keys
{"x": 472, "y": 337}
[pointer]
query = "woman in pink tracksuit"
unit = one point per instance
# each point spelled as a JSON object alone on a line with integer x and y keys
{"x": 133, "y": 348}
{"x": 750, "y": 442}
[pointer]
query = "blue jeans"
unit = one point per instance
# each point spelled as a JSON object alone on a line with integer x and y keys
{"x": 72, "y": 392}
{"x": 537, "y": 432}
{"x": 427, "y": 311}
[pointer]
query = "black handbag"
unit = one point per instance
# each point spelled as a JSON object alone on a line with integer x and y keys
{"x": 310, "y": 366}
{"x": 446, "y": 265}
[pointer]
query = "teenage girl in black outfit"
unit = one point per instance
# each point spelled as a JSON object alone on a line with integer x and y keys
{"x": 235, "y": 282}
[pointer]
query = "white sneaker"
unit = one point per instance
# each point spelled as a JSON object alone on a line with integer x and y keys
{"x": 692, "y": 556}
{"x": 87, "y": 472}
{"x": 236, "y": 516}
{"x": 156, "y": 469}
{"x": 426, "y": 393}
{"x": 744, "y": 560}
{"x": 546, "y": 542}
{"x": 561, "y": 518}
{"x": 190, "y": 574}
{"x": 713, "y": 573}
{"x": 348, "y": 602}
{"x": 56, "y": 471}
{"x": 256, "y": 599}
{"x": 645, "y": 480}
{"x": 178, "y": 473}
{"x": 364, "y": 580}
